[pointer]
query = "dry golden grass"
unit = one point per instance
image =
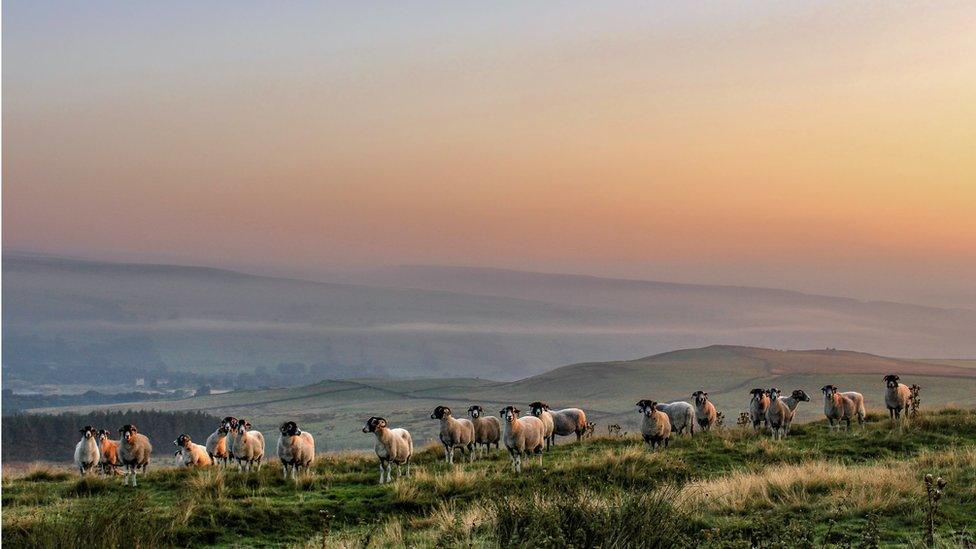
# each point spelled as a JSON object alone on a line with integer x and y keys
{"x": 859, "y": 489}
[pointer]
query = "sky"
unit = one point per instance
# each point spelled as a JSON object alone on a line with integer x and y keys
{"x": 821, "y": 146}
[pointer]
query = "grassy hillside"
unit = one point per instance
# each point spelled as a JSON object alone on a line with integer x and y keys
{"x": 334, "y": 411}
{"x": 729, "y": 488}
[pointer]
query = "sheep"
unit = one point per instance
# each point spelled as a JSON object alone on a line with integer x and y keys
{"x": 487, "y": 429}
{"x": 522, "y": 435}
{"x": 217, "y": 446}
{"x": 393, "y": 446}
{"x": 229, "y": 424}
{"x": 87, "y": 454}
{"x": 792, "y": 401}
{"x": 655, "y": 425}
{"x": 682, "y": 416}
{"x": 248, "y": 446}
{"x": 109, "y": 450}
{"x": 135, "y": 451}
{"x": 296, "y": 449}
{"x": 541, "y": 411}
{"x": 898, "y": 397}
{"x": 758, "y": 402}
{"x": 191, "y": 454}
{"x": 778, "y": 415}
{"x": 859, "y": 410}
{"x": 838, "y": 407}
{"x": 455, "y": 433}
{"x": 566, "y": 422}
{"x": 704, "y": 410}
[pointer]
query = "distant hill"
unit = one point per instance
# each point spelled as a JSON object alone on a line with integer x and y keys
{"x": 92, "y": 323}
{"x": 335, "y": 410}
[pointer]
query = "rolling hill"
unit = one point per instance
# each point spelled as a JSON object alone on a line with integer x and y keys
{"x": 334, "y": 411}
{"x": 75, "y": 321}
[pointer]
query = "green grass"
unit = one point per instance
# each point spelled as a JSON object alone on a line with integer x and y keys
{"x": 729, "y": 488}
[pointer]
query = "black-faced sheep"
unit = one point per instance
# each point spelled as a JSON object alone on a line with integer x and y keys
{"x": 837, "y": 407}
{"x": 393, "y": 446}
{"x": 522, "y": 435}
{"x": 487, "y": 429}
{"x": 192, "y": 454}
{"x": 86, "y": 451}
{"x": 705, "y": 411}
{"x": 778, "y": 415}
{"x": 655, "y": 424}
{"x": 135, "y": 451}
{"x": 566, "y": 422}
{"x": 758, "y": 403}
{"x": 898, "y": 397}
{"x": 541, "y": 410}
{"x": 248, "y": 446}
{"x": 455, "y": 433}
{"x": 109, "y": 449}
{"x": 296, "y": 449}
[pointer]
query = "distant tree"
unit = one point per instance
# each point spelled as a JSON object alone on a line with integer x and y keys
{"x": 204, "y": 390}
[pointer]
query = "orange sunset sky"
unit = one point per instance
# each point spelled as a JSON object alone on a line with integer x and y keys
{"x": 821, "y": 146}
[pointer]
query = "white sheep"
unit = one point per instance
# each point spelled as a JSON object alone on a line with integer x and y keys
{"x": 190, "y": 453}
{"x": 487, "y": 429}
{"x": 87, "y": 453}
{"x": 898, "y": 397}
{"x": 655, "y": 425}
{"x": 135, "y": 452}
{"x": 296, "y": 449}
{"x": 455, "y": 433}
{"x": 682, "y": 416}
{"x": 859, "y": 411}
{"x": 522, "y": 435}
{"x": 758, "y": 403}
{"x": 541, "y": 411}
{"x": 705, "y": 411}
{"x": 393, "y": 446}
{"x": 248, "y": 446}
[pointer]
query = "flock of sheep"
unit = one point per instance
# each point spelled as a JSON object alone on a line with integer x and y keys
{"x": 234, "y": 440}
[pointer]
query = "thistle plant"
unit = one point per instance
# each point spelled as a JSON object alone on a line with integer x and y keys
{"x": 934, "y": 487}
{"x": 915, "y": 401}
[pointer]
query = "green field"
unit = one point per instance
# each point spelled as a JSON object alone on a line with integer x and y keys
{"x": 729, "y": 488}
{"x": 334, "y": 411}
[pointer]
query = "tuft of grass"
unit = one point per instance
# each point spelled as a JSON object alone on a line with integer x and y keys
{"x": 584, "y": 519}
{"x": 44, "y": 473}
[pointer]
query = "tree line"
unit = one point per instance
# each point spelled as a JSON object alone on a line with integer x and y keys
{"x": 50, "y": 437}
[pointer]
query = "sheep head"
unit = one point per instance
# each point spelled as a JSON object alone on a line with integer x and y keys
{"x": 891, "y": 380}
{"x": 475, "y": 411}
{"x": 88, "y": 431}
{"x": 700, "y": 397}
{"x": 290, "y": 429}
{"x": 646, "y": 406}
{"x": 757, "y": 393}
{"x": 829, "y": 390}
{"x": 229, "y": 423}
{"x": 774, "y": 393}
{"x": 440, "y": 412}
{"x": 800, "y": 395}
{"x": 182, "y": 441}
{"x": 128, "y": 432}
{"x": 374, "y": 424}
{"x": 509, "y": 413}
{"x": 538, "y": 407}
